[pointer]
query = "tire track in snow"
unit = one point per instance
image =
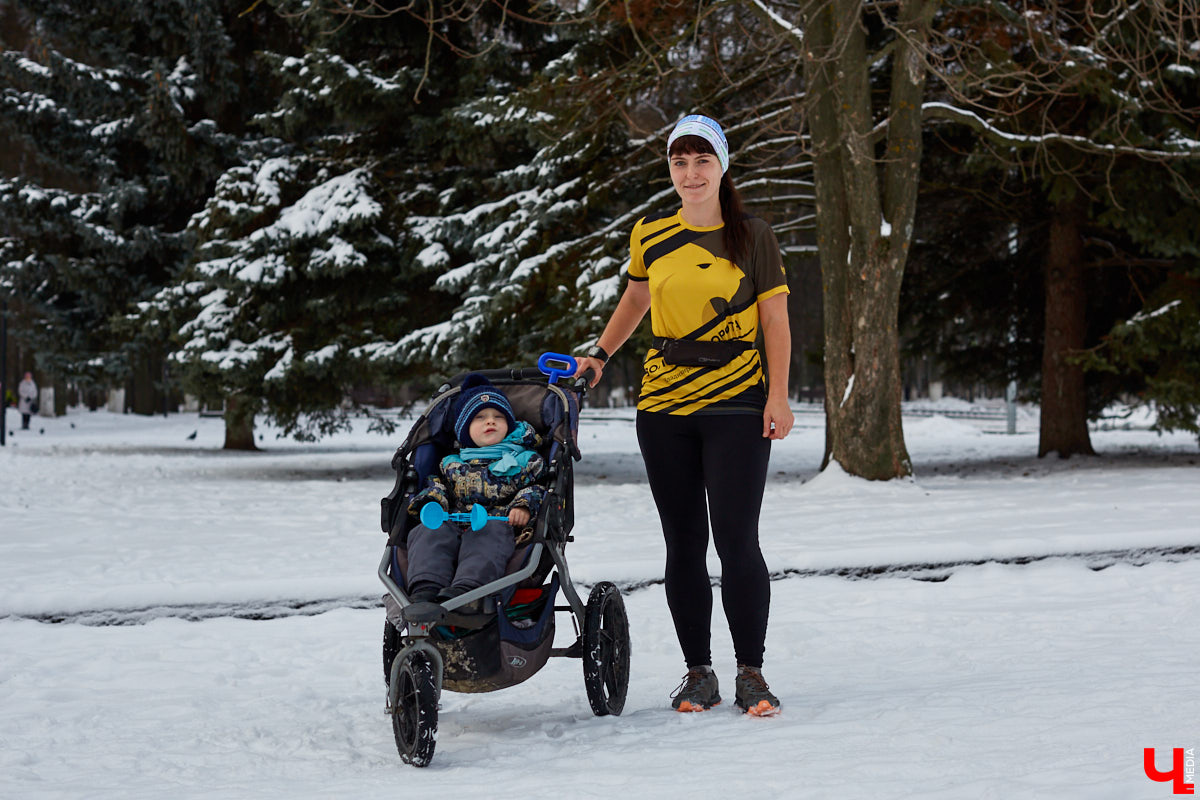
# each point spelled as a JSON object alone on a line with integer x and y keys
{"x": 279, "y": 609}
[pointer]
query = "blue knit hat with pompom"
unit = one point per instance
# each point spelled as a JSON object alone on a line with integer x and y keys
{"x": 477, "y": 394}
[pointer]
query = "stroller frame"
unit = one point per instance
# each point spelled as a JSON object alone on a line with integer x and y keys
{"x": 415, "y": 675}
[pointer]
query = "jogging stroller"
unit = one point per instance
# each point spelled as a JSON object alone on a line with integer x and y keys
{"x": 501, "y": 633}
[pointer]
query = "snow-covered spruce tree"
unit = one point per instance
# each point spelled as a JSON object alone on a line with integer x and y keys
{"x": 1095, "y": 106}
{"x": 318, "y": 254}
{"x": 537, "y": 259}
{"x": 1150, "y": 245}
{"x": 971, "y": 301}
{"x": 496, "y": 232}
{"x": 251, "y": 325}
{"x": 115, "y": 114}
{"x": 974, "y": 292}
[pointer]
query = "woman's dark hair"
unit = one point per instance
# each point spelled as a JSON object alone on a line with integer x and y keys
{"x": 736, "y": 234}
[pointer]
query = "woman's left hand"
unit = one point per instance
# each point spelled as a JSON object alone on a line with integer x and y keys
{"x": 582, "y": 365}
{"x": 518, "y": 517}
{"x": 777, "y": 419}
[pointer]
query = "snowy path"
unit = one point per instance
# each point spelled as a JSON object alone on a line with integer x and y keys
{"x": 279, "y": 609}
{"x": 1041, "y": 681}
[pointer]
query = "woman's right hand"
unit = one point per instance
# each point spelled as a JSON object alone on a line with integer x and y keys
{"x": 588, "y": 363}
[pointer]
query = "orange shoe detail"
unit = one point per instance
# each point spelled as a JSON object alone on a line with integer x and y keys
{"x": 688, "y": 706}
{"x": 763, "y": 709}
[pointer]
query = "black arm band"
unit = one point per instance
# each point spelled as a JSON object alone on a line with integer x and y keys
{"x": 598, "y": 352}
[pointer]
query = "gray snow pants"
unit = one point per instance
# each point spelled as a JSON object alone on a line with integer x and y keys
{"x": 462, "y": 558}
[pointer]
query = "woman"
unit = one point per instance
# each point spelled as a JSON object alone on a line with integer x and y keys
{"x": 710, "y": 276}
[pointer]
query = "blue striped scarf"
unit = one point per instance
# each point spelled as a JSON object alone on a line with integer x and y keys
{"x": 508, "y": 457}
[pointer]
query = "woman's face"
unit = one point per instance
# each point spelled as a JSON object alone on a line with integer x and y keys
{"x": 488, "y": 427}
{"x": 697, "y": 178}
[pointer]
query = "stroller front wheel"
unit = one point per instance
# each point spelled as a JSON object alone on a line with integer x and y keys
{"x": 415, "y": 715}
{"x": 606, "y": 650}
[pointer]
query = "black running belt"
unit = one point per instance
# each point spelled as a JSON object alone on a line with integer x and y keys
{"x": 738, "y": 346}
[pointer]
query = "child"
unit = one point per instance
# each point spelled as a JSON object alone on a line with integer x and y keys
{"x": 496, "y": 467}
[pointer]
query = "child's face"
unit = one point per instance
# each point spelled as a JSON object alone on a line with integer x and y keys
{"x": 488, "y": 427}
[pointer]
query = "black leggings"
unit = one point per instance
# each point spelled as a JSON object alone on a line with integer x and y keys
{"x": 723, "y": 457}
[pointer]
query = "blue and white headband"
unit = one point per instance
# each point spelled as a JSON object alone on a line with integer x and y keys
{"x": 706, "y": 128}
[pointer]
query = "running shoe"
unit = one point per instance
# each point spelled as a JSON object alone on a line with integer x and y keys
{"x": 698, "y": 692}
{"x": 752, "y": 694}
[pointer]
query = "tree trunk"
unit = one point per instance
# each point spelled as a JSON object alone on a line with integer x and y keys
{"x": 239, "y": 423}
{"x": 868, "y": 437}
{"x": 60, "y": 397}
{"x": 833, "y": 240}
{"x": 144, "y": 395}
{"x": 864, "y": 228}
{"x": 1064, "y": 397}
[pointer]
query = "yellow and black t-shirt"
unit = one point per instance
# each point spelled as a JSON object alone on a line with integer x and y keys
{"x": 696, "y": 292}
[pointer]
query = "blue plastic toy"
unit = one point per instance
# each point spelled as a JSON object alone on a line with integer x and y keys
{"x": 556, "y": 365}
{"x": 434, "y": 516}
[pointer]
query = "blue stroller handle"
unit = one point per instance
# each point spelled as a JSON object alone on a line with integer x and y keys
{"x": 557, "y": 365}
{"x": 433, "y": 516}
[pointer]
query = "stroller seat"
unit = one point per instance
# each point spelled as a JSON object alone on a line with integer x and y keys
{"x": 551, "y": 411}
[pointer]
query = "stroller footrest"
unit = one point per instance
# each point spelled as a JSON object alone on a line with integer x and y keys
{"x": 424, "y": 613}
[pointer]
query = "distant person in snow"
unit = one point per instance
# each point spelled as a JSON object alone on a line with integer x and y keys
{"x": 496, "y": 467}
{"x": 27, "y": 393}
{"x": 711, "y": 276}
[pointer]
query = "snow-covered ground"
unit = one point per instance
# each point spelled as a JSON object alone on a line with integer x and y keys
{"x": 999, "y": 662}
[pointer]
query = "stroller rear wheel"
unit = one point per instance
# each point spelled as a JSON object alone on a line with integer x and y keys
{"x": 606, "y": 650}
{"x": 415, "y": 715}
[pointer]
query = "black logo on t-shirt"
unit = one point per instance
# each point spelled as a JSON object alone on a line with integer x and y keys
{"x": 704, "y": 266}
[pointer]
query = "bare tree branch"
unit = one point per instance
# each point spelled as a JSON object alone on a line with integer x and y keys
{"x": 1082, "y": 143}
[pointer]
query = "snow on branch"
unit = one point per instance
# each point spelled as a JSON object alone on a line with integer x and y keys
{"x": 1188, "y": 148}
{"x": 1143, "y": 316}
{"x": 1033, "y": 67}
{"x": 794, "y": 32}
{"x": 329, "y": 206}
